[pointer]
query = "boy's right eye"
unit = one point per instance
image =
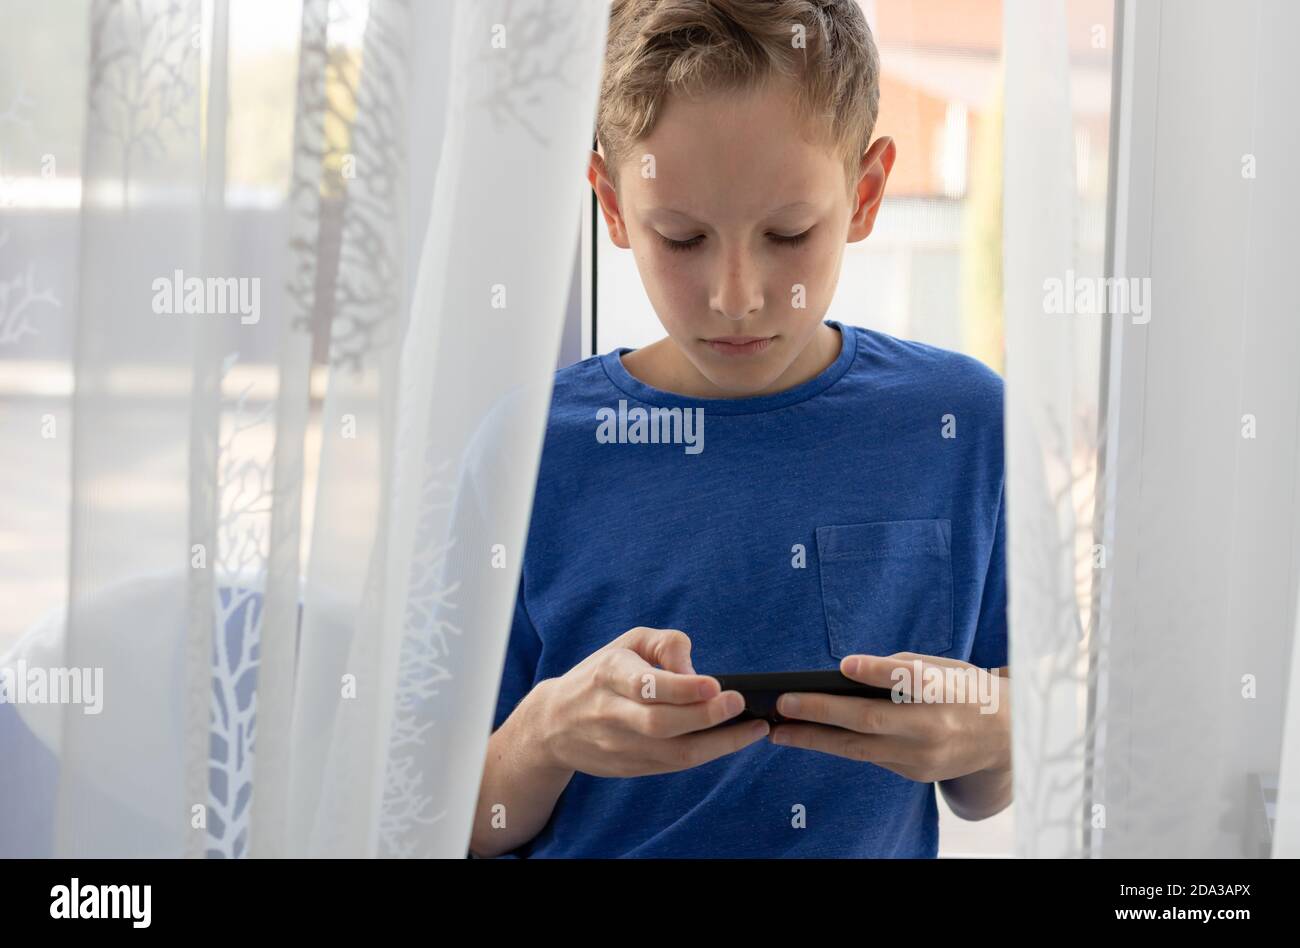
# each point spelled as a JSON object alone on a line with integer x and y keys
{"x": 681, "y": 244}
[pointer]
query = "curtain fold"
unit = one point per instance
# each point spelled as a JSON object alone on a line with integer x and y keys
{"x": 1152, "y": 527}
{"x": 300, "y": 302}
{"x": 298, "y": 658}
{"x": 124, "y": 782}
{"x": 1048, "y": 649}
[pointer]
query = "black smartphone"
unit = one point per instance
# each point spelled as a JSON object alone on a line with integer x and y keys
{"x": 762, "y": 689}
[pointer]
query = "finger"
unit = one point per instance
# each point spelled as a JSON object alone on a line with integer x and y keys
{"x": 929, "y": 659}
{"x": 873, "y": 748}
{"x": 666, "y": 721}
{"x": 882, "y": 671}
{"x": 667, "y": 648}
{"x": 675, "y": 654}
{"x": 910, "y": 674}
{"x": 927, "y": 679}
{"x": 628, "y": 674}
{"x": 691, "y": 750}
{"x": 864, "y": 715}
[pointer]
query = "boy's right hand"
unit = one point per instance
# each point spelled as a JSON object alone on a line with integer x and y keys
{"x": 616, "y": 715}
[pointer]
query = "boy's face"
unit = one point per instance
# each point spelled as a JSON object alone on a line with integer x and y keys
{"x": 761, "y": 217}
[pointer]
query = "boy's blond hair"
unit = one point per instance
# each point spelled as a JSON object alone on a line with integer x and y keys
{"x": 701, "y": 46}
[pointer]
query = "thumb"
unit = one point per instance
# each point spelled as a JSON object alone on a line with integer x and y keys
{"x": 667, "y": 648}
{"x": 675, "y": 652}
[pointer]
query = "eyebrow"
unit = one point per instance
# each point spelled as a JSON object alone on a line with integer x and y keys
{"x": 776, "y": 210}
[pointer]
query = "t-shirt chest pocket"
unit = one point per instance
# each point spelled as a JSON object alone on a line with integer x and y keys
{"x": 887, "y": 586}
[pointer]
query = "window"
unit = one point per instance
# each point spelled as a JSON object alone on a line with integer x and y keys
{"x": 932, "y": 269}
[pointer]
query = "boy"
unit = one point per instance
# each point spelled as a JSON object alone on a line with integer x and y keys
{"x": 845, "y": 506}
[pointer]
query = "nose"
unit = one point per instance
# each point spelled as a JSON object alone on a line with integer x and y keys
{"x": 738, "y": 289}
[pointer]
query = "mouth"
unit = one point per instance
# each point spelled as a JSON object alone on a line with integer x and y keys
{"x": 739, "y": 345}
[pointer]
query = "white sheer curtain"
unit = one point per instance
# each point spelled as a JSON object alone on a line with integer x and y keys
{"x": 1153, "y": 546}
{"x": 397, "y": 316}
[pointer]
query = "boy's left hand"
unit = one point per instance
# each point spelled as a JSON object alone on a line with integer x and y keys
{"x": 927, "y": 742}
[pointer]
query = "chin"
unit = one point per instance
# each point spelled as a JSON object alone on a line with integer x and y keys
{"x": 742, "y": 383}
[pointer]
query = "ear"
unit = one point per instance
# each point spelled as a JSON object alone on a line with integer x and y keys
{"x": 607, "y": 196}
{"x": 870, "y": 190}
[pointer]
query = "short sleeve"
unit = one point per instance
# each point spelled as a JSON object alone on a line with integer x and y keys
{"x": 523, "y": 651}
{"x": 491, "y": 475}
{"x": 989, "y": 649}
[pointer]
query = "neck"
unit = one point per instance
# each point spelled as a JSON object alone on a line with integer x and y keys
{"x": 663, "y": 366}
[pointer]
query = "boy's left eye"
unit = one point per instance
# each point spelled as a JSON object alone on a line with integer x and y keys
{"x": 791, "y": 241}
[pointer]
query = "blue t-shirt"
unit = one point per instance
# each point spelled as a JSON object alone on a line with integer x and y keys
{"x": 859, "y": 512}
